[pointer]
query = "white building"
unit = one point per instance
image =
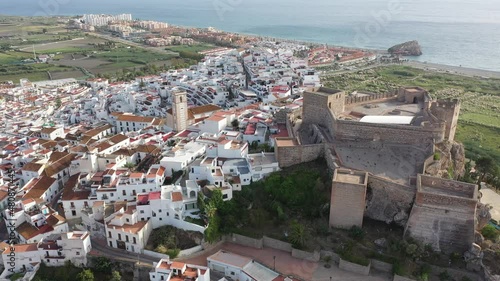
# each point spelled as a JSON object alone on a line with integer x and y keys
{"x": 51, "y": 133}
{"x": 125, "y": 231}
{"x": 181, "y": 156}
{"x": 166, "y": 270}
{"x": 170, "y": 206}
{"x": 241, "y": 268}
{"x": 53, "y": 250}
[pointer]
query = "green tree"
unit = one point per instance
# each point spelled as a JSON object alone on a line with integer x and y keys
{"x": 86, "y": 275}
{"x": 115, "y": 276}
{"x": 102, "y": 264}
{"x": 236, "y": 124}
{"x": 142, "y": 84}
{"x": 486, "y": 167}
{"x": 44, "y": 30}
{"x": 490, "y": 232}
{"x": 129, "y": 165}
{"x": 58, "y": 102}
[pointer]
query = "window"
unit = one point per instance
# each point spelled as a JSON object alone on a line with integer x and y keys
{"x": 109, "y": 234}
{"x": 128, "y": 220}
{"x": 126, "y": 238}
{"x": 224, "y": 196}
{"x": 159, "y": 211}
{"x": 142, "y": 211}
{"x": 143, "y": 190}
{"x": 111, "y": 243}
{"x": 135, "y": 241}
{"x": 119, "y": 236}
{"x": 124, "y": 192}
{"x": 77, "y": 253}
{"x": 111, "y": 194}
{"x": 161, "y": 219}
{"x": 73, "y": 213}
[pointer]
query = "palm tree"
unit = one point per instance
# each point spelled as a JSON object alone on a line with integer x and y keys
{"x": 298, "y": 234}
{"x": 210, "y": 210}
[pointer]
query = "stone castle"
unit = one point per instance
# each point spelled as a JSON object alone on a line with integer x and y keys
{"x": 379, "y": 148}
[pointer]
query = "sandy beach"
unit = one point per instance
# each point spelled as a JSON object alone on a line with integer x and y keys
{"x": 472, "y": 72}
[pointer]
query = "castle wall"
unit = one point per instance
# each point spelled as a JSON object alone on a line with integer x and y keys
{"x": 444, "y": 214}
{"x": 389, "y": 201}
{"x": 466, "y": 189}
{"x": 412, "y": 135}
{"x": 291, "y": 155}
{"x": 354, "y": 100}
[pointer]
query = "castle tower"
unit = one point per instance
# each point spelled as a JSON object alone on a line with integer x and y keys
{"x": 179, "y": 110}
{"x": 347, "y": 203}
{"x": 447, "y": 111}
{"x": 319, "y": 102}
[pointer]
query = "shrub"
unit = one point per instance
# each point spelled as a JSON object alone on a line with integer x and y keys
{"x": 356, "y": 233}
{"x": 398, "y": 268}
{"x": 490, "y": 232}
{"x": 437, "y": 156}
{"x": 173, "y": 253}
{"x": 444, "y": 276}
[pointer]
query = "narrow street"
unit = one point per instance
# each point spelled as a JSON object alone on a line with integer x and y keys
{"x": 99, "y": 248}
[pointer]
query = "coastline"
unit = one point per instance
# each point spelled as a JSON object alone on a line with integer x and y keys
{"x": 412, "y": 62}
{"x": 451, "y": 69}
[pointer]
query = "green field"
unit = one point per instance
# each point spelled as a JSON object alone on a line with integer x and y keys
{"x": 479, "y": 126}
{"x": 191, "y": 48}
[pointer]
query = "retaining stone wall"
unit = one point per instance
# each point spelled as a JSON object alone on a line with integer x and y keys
{"x": 353, "y": 267}
{"x": 277, "y": 244}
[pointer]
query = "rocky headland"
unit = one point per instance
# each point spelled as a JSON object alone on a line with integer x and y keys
{"x": 410, "y": 48}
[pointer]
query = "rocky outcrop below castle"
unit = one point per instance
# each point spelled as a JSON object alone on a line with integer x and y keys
{"x": 449, "y": 161}
{"x": 410, "y": 48}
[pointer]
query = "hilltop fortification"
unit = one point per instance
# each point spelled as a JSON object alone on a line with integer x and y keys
{"x": 380, "y": 148}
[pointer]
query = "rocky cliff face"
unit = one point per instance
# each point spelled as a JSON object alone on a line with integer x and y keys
{"x": 450, "y": 162}
{"x": 410, "y": 48}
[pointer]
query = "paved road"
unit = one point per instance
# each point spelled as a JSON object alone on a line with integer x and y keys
{"x": 99, "y": 248}
{"x": 492, "y": 198}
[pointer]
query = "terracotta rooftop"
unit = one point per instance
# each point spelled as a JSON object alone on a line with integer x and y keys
{"x": 176, "y": 196}
{"x": 22, "y": 248}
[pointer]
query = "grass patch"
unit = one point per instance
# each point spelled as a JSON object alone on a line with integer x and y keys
{"x": 190, "y": 48}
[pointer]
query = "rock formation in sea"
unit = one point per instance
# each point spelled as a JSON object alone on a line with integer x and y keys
{"x": 410, "y": 48}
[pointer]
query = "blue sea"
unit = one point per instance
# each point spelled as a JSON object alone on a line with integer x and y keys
{"x": 453, "y": 32}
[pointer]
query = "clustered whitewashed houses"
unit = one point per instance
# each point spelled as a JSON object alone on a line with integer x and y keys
{"x": 107, "y": 161}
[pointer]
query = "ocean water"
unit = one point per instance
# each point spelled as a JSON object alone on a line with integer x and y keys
{"x": 453, "y": 32}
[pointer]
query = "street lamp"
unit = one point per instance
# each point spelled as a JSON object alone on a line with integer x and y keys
{"x": 274, "y": 262}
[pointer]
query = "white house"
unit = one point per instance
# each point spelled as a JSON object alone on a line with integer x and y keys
{"x": 181, "y": 156}
{"x": 170, "y": 206}
{"x": 51, "y": 133}
{"x": 125, "y": 231}
{"x": 56, "y": 249}
{"x": 166, "y": 270}
{"x": 241, "y": 268}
